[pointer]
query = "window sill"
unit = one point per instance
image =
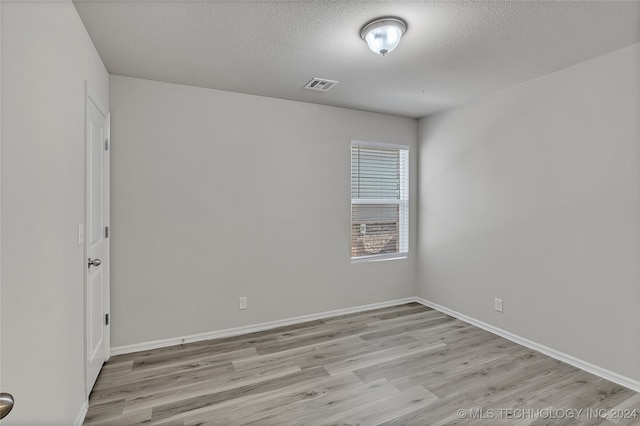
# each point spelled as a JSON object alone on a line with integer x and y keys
{"x": 379, "y": 258}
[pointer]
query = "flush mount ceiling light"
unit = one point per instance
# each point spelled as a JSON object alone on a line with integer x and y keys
{"x": 383, "y": 34}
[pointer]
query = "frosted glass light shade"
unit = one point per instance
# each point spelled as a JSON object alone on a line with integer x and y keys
{"x": 383, "y": 35}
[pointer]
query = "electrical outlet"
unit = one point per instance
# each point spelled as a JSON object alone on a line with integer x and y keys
{"x": 242, "y": 303}
{"x": 497, "y": 304}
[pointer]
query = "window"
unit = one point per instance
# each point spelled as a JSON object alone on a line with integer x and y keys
{"x": 379, "y": 201}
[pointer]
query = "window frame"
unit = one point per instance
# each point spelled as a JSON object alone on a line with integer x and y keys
{"x": 403, "y": 205}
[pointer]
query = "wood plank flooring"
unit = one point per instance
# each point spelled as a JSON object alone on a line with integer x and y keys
{"x": 402, "y": 365}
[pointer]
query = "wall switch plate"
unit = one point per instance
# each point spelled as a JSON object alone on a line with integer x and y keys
{"x": 242, "y": 303}
{"x": 497, "y": 304}
{"x": 80, "y": 234}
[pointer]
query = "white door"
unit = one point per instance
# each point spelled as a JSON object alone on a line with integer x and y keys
{"x": 96, "y": 242}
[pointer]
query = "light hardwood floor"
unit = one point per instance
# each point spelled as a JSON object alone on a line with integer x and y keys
{"x": 402, "y": 365}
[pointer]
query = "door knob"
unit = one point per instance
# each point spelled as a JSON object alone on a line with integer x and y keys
{"x": 6, "y": 404}
{"x": 94, "y": 262}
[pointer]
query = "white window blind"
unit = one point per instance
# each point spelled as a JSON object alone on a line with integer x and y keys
{"x": 379, "y": 200}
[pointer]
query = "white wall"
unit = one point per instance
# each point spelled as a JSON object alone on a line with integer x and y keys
{"x": 46, "y": 56}
{"x": 217, "y": 195}
{"x": 532, "y": 195}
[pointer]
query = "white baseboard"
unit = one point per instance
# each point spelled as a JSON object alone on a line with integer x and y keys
{"x": 229, "y": 332}
{"x": 560, "y": 356}
{"x": 82, "y": 414}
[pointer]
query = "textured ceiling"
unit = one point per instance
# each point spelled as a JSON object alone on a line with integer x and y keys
{"x": 452, "y": 53}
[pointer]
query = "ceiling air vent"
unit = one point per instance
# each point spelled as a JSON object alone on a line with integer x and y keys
{"x": 320, "y": 84}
